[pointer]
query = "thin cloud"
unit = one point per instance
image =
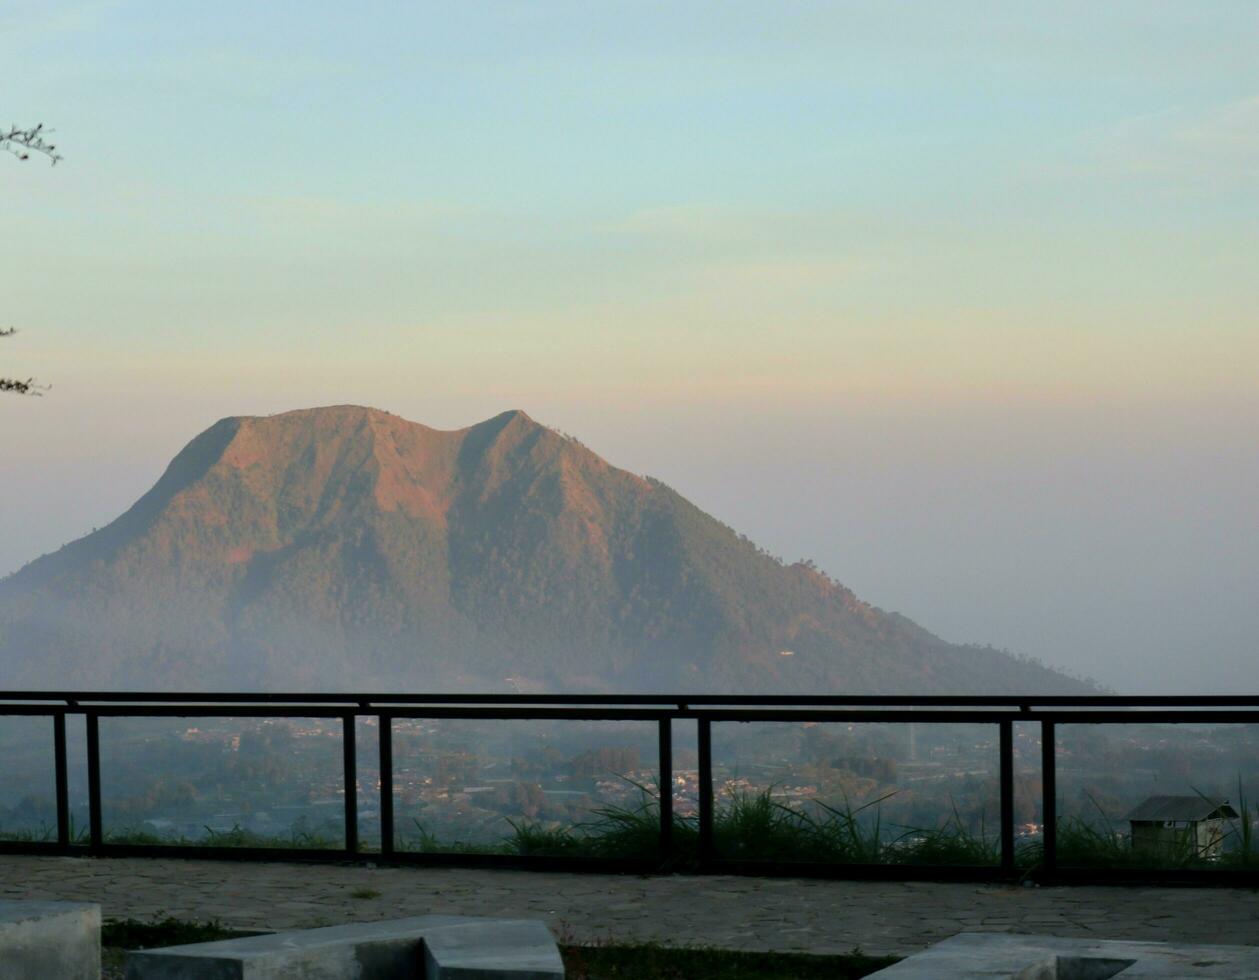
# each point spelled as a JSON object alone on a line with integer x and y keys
{"x": 773, "y": 277}
{"x": 1219, "y": 142}
{"x": 38, "y": 17}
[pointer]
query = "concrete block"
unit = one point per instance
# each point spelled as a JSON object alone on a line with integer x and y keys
{"x": 493, "y": 949}
{"x": 50, "y": 941}
{"x": 360, "y": 951}
{"x": 1022, "y": 957}
{"x": 392, "y": 950}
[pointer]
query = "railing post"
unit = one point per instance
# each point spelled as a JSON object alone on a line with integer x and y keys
{"x": 62, "y": 777}
{"x": 350, "y": 757}
{"x": 666, "y": 792}
{"x": 705, "y": 746}
{"x": 1007, "y": 796}
{"x": 96, "y": 839}
{"x": 385, "y": 727}
{"x": 1049, "y": 793}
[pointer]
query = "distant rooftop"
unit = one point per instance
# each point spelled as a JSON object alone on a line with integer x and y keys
{"x": 1181, "y": 809}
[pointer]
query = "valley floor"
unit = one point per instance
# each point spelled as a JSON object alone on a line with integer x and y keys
{"x": 736, "y": 913}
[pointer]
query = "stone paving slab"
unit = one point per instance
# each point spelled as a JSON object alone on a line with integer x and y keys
{"x": 784, "y": 914}
{"x": 41, "y": 940}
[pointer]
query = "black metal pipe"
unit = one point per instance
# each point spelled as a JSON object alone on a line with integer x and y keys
{"x": 1049, "y": 796}
{"x": 666, "y": 792}
{"x": 95, "y": 823}
{"x": 1007, "y": 795}
{"x": 349, "y": 755}
{"x": 704, "y": 742}
{"x": 62, "y": 777}
{"x": 385, "y": 724}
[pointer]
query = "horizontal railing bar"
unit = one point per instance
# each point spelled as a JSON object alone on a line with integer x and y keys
{"x": 325, "y": 855}
{"x": 1160, "y": 717}
{"x": 318, "y": 711}
{"x": 960, "y": 716}
{"x": 210, "y": 711}
{"x": 887, "y": 715}
{"x": 858, "y": 871}
{"x": 985, "y": 717}
{"x": 367, "y": 700}
{"x": 539, "y": 714}
{"x": 34, "y": 847}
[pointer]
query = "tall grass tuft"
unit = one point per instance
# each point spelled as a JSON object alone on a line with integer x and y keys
{"x": 748, "y": 827}
{"x": 951, "y": 844}
{"x": 755, "y": 827}
{"x": 1242, "y": 855}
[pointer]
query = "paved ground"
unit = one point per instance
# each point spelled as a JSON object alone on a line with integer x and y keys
{"x": 738, "y": 913}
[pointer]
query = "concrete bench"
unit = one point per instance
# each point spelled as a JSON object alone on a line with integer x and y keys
{"x": 43, "y": 940}
{"x": 490, "y": 949}
{"x": 968, "y": 955}
{"x": 436, "y": 947}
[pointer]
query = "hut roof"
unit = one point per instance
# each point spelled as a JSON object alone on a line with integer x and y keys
{"x": 1181, "y": 809}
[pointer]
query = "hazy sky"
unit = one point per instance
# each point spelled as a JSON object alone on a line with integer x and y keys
{"x": 960, "y": 300}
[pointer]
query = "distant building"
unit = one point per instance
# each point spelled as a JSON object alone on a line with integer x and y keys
{"x": 1180, "y": 825}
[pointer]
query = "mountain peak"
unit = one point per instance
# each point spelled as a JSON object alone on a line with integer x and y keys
{"x": 514, "y": 420}
{"x": 510, "y": 416}
{"x": 346, "y": 415}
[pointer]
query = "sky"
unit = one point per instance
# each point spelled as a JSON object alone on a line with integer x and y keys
{"x": 960, "y": 301}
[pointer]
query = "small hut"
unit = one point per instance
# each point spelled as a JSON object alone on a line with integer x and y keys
{"x": 1179, "y": 826}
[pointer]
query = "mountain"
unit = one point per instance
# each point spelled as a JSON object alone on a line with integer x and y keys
{"x": 345, "y": 547}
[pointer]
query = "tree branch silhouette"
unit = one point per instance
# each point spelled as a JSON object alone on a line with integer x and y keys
{"x": 22, "y": 143}
{"x": 16, "y": 386}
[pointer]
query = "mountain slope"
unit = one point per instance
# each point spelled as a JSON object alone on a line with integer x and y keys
{"x": 346, "y": 547}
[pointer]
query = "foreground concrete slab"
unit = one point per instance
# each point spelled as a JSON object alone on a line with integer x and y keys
{"x": 493, "y": 949}
{"x": 50, "y": 941}
{"x": 1023, "y": 957}
{"x": 455, "y": 948}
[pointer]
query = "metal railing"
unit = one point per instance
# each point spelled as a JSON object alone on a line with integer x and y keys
{"x": 701, "y": 710}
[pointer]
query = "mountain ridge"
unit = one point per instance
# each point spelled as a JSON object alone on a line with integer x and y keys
{"x": 344, "y": 545}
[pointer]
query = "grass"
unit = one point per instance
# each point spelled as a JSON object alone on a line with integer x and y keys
{"x": 757, "y": 828}
{"x": 236, "y": 837}
{"x": 754, "y": 827}
{"x": 426, "y": 843}
{"x": 25, "y": 835}
{"x": 164, "y": 930}
{"x": 653, "y": 961}
{"x": 364, "y": 893}
{"x": 749, "y": 827}
{"x": 120, "y": 935}
{"x": 45, "y": 834}
{"x": 1243, "y": 855}
{"x": 951, "y": 843}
